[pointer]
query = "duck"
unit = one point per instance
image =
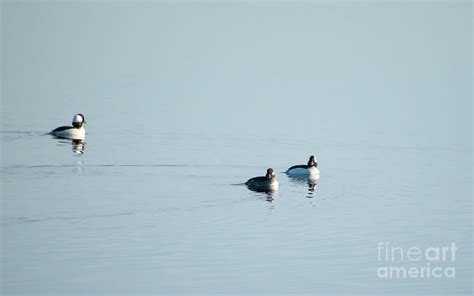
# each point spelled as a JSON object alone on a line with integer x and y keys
{"x": 76, "y": 131}
{"x": 263, "y": 183}
{"x": 309, "y": 169}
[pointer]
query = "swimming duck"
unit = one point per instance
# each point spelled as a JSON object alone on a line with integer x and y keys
{"x": 263, "y": 183}
{"x": 310, "y": 169}
{"x": 76, "y": 131}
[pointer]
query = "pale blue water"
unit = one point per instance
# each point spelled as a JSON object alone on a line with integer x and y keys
{"x": 150, "y": 203}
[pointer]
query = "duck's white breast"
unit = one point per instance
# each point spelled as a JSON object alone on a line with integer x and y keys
{"x": 273, "y": 185}
{"x": 73, "y": 133}
{"x": 313, "y": 171}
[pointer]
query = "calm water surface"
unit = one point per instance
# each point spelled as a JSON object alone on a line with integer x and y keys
{"x": 139, "y": 214}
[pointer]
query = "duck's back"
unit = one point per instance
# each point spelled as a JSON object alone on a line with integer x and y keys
{"x": 257, "y": 180}
{"x": 298, "y": 170}
{"x": 61, "y": 129}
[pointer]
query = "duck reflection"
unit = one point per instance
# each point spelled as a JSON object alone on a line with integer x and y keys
{"x": 270, "y": 195}
{"x": 78, "y": 145}
{"x": 310, "y": 181}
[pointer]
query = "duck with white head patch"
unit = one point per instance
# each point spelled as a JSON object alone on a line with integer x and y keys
{"x": 76, "y": 131}
{"x": 264, "y": 183}
{"x": 310, "y": 169}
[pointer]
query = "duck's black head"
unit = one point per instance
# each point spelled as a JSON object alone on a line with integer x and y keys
{"x": 270, "y": 174}
{"x": 78, "y": 120}
{"x": 312, "y": 161}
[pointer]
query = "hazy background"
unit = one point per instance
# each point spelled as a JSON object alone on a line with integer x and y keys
{"x": 185, "y": 99}
{"x": 317, "y": 67}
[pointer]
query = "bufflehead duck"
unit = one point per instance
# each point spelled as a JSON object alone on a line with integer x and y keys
{"x": 76, "y": 131}
{"x": 310, "y": 169}
{"x": 264, "y": 183}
